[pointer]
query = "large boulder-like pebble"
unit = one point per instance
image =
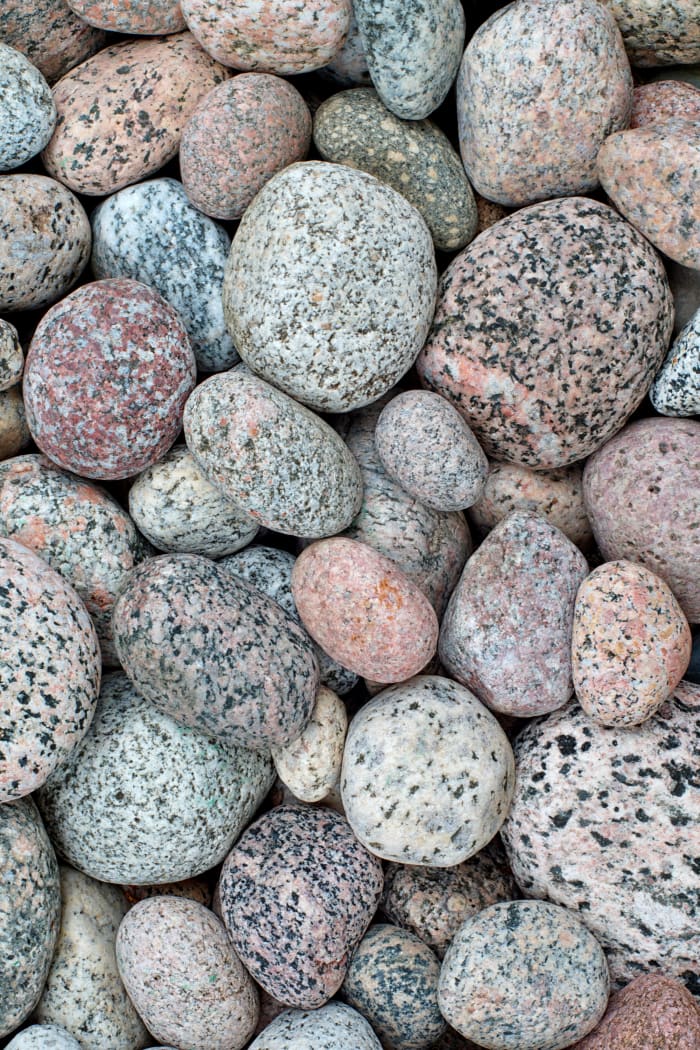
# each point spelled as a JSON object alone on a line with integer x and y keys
{"x": 50, "y": 34}
{"x": 333, "y": 1027}
{"x": 27, "y": 109}
{"x": 658, "y": 32}
{"x": 652, "y": 1011}
{"x": 676, "y": 389}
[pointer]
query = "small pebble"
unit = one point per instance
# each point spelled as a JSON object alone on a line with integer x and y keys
{"x": 664, "y": 100}
{"x": 658, "y": 34}
{"x": 348, "y": 67}
{"x": 310, "y": 765}
{"x": 14, "y": 432}
{"x": 52, "y": 37}
{"x": 27, "y": 110}
{"x": 43, "y": 1037}
{"x": 11, "y": 356}
{"x": 333, "y": 1027}
{"x": 147, "y": 18}
{"x": 652, "y": 1011}
{"x": 676, "y": 389}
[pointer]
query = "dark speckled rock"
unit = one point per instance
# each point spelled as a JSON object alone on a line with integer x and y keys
{"x": 52, "y": 37}
{"x": 297, "y": 893}
{"x": 11, "y": 356}
{"x": 27, "y": 110}
{"x": 658, "y": 32}
{"x": 333, "y": 1027}
{"x": 653, "y": 1011}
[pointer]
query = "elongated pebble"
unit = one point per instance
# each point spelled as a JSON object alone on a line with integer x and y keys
{"x": 333, "y": 1027}
{"x": 14, "y": 432}
{"x": 149, "y": 18}
{"x": 27, "y": 109}
{"x": 676, "y": 388}
{"x": 310, "y": 765}
{"x": 43, "y": 1037}
{"x": 11, "y": 356}
{"x": 652, "y": 1011}
{"x": 52, "y": 36}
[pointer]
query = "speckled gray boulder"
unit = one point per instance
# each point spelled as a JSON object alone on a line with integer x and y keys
{"x": 11, "y": 356}
{"x": 151, "y": 233}
{"x": 676, "y": 389}
{"x": 84, "y": 993}
{"x": 144, "y": 800}
{"x": 330, "y": 286}
{"x": 658, "y": 32}
{"x": 43, "y": 1037}
{"x": 524, "y": 975}
{"x": 413, "y": 51}
{"x": 27, "y": 109}
{"x": 415, "y": 158}
{"x": 30, "y": 910}
{"x": 333, "y": 1027}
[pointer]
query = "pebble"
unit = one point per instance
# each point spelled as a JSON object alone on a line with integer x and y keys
{"x": 539, "y": 383}
{"x": 14, "y": 432}
{"x": 239, "y": 136}
{"x": 30, "y": 910}
{"x": 105, "y": 139}
{"x": 413, "y": 54}
{"x": 652, "y": 1011}
{"x": 676, "y": 389}
{"x": 310, "y": 765}
{"x": 601, "y": 823}
{"x": 184, "y": 977}
{"x": 664, "y": 100}
{"x": 149, "y": 18}
{"x": 27, "y": 110}
{"x": 84, "y": 993}
{"x": 414, "y": 792}
{"x": 275, "y": 459}
{"x": 333, "y": 1027}
{"x": 297, "y": 893}
{"x": 144, "y": 800}
{"x": 48, "y": 32}
{"x": 107, "y": 375}
{"x": 642, "y": 493}
{"x": 45, "y": 238}
{"x": 151, "y": 233}
{"x": 363, "y": 610}
{"x": 524, "y": 975}
{"x": 330, "y": 286}
{"x": 348, "y": 67}
{"x": 43, "y": 1037}
{"x": 652, "y": 175}
{"x": 179, "y": 511}
{"x": 539, "y": 90}
{"x": 658, "y": 34}
{"x": 11, "y": 356}
{"x": 506, "y": 633}
{"x": 415, "y": 158}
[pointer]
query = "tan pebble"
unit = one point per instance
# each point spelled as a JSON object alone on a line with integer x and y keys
{"x": 14, "y": 432}
{"x": 310, "y": 765}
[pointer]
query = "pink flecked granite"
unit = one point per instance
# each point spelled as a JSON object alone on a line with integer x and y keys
{"x": 664, "y": 100}
{"x": 145, "y": 18}
{"x": 52, "y": 37}
{"x": 652, "y": 1013}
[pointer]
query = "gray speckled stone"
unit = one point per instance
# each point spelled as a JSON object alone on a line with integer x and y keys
{"x": 151, "y": 233}
{"x": 330, "y": 286}
{"x": 658, "y": 32}
{"x": 333, "y": 1027}
{"x": 415, "y": 158}
{"x": 11, "y": 356}
{"x": 27, "y": 109}
{"x": 43, "y": 1037}
{"x": 524, "y": 975}
{"x": 413, "y": 51}
{"x": 30, "y": 910}
{"x": 144, "y": 800}
{"x": 84, "y": 993}
{"x": 676, "y": 389}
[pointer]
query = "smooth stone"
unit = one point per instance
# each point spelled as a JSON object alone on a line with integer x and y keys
{"x": 333, "y": 1027}
{"x": 298, "y": 892}
{"x": 524, "y": 975}
{"x": 664, "y": 100}
{"x": 652, "y": 1011}
{"x": 151, "y": 233}
{"x": 545, "y": 356}
{"x": 539, "y": 90}
{"x": 416, "y": 159}
{"x": 147, "y": 18}
{"x": 676, "y": 389}
{"x": 413, "y": 52}
{"x": 413, "y": 791}
{"x": 348, "y": 67}
{"x": 84, "y": 993}
{"x": 11, "y": 356}
{"x": 310, "y": 765}
{"x": 27, "y": 110}
{"x": 658, "y": 33}
{"x": 52, "y": 37}
{"x": 43, "y": 1037}
{"x": 144, "y": 800}
{"x": 330, "y": 286}
{"x": 14, "y": 432}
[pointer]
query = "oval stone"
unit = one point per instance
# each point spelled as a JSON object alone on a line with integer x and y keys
{"x": 664, "y": 100}
{"x": 52, "y": 37}
{"x": 11, "y": 356}
{"x": 652, "y": 1011}
{"x": 14, "y": 432}
{"x": 147, "y": 18}
{"x": 43, "y": 1037}
{"x": 676, "y": 389}
{"x": 27, "y": 110}
{"x": 334, "y": 1027}
{"x": 310, "y": 765}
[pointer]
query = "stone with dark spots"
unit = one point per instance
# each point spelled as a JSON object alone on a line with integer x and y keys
{"x": 348, "y": 67}
{"x": 43, "y": 1037}
{"x": 146, "y": 18}
{"x": 27, "y": 110}
{"x": 664, "y": 100}
{"x": 676, "y": 389}
{"x": 333, "y": 1027}
{"x": 52, "y": 36}
{"x": 11, "y": 356}
{"x": 658, "y": 33}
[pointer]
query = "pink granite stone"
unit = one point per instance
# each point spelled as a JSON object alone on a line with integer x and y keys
{"x": 107, "y": 375}
{"x": 664, "y": 100}
{"x": 52, "y": 36}
{"x": 141, "y": 18}
{"x": 239, "y": 136}
{"x": 652, "y": 1013}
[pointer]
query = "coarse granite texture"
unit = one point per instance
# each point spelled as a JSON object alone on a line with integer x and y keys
{"x": 43, "y": 1037}
{"x": 413, "y": 51}
{"x": 274, "y": 458}
{"x": 540, "y": 88}
{"x": 488, "y": 213}
{"x": 676, "y": 388}
{"x": 215, "y": 653}
{"x": 310, "y": 765}
{"x": 630, "y": 644}
{"x": 151, "y": 233}
{"x": 184, "y": 977}
{"x": 11, "y": 356}
{"x": 44, "y": 241}
{"x": 363, "y": 610}
{"x": 604, "y": 822}
{"x": 145, "y": 18}
{"x": 333, "y": 1027}
{"x": 658, "y": 32}
{"x": 392, "y": 981}
{"x": 548, "y": 331}
{"x": 145, "y": 800}
{"x": 415, "y": 158}
{"x": 642, "y": 493}
{"x": 426, "y": 446}
{"x": 652, "y": 176}
{"x": 297, "y": 893}
{"x": 27, "y": 110}
{"x": 179, "y": 511}
{"x": 556, "y": 495}
{"x": 652, "y": 1011}
{"x": 524, "y": 975}
{"x": 52, "y": 36}
{"x": 239, "y": 136}
{"x": 506, "y": 633}
{"x": 427, "y": 773}
{"x": 108, "y": 372}
{"x": 348, "y": 67}
{"x": 14, "y": 432}
{"x": 270, "y": 570}
{"x": 194, "y": 889}
{"x": 330, "y": 287}
{"x": 664, "y": 100}
{"x": 77, "y": 528}
{"x": 121, "y": 112}
{"x": 49, "y": 670}
{"x": 84, "y": 993}
{"x": 30, "y": 910}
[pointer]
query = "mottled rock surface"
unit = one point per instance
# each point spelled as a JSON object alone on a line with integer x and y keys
{"x": 52, "y": 36}
{"x": 652, "y": 1011}
{"x": 27, "y": 110}
{"x": 676, "y": 389}
{"x": 333, "y": 1027}
{"x": 658, "y": 34}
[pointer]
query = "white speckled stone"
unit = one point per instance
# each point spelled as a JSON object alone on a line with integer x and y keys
{"x": 333, "y": 1027}
{"x": 349, "y": 65}
{"x": 330, "y": 286}
{"x": 676, "y": 389}
{"x": 310, "y": 765}
{"x": 14, "y": 431}
{"x": 413, "y": 791}
{"x": 84, "y": 993}
{"x": 524, "y": 975}
{"x": 11, "y": 356}
{"x": 27, "y": 109}
{"x": 43, "y": 1037}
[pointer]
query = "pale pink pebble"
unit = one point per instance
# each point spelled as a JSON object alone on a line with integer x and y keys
{"x": 52, "y": 37}
{"x": 137, "y": 17}
{"x": 664, "y": 100}
{"x": 653, "y": 1012}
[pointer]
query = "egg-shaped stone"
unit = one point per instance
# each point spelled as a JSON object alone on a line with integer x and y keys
{"x": 333, "y": 1027}
{"x": 310, "y": 765}
{"x": 145, "y": 800}
{"x": 43, "y": 1037}
{"x": 413, "y": 791}
{"x": 652, "y": 1011}
{"x": 676, "y": 389}
{"x": 544, "y": 354}
{"x": 184, "y": 977}
{"x": 27, "y": 110}
{"x": 658, "y": 33}
{"x": 14, "y": 432}
{"x": 664, "y": 100}
{"x": 30, "y": 910}
{"x": 52, "y": 36}
{"x": 121, "y": 113}
{"x": 11, "y": 356}
{"x": 330, "y": 286}
{"x": 147, "y": 18}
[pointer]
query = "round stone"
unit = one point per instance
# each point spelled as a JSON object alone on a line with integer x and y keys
{"x": 310, "y": 765}
{"x": 676, "y": 389}
{"x": 652, "y": 1011}
{"x": 14, "y": 432}
{"x": 27, "y": 110}
{"x": 333, "y": 1027}
{"x": 43, "y": 1037}
{"x": 11, "y": 356}
{"x": 52, "y": 37}
{"x": 149, "y": 18}
{"x": 664, "y": 100}
{"x": 658, "y": 34}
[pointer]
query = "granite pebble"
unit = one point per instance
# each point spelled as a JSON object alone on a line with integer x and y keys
{"x": 14, "y": 432}
{"x": 676, "y": 388}
{"x": 198, "y": 889}
{"x": 658, "y": 34}
{"x": 333, "y": 1027}
{"x": 11, "y": 356}
{"x": 43, "y": 1037}
{"x": 145, "y": 18}
{"x": 310, "y": 765}
{"x": 27, "y": 110}
{"x": 652, "y": 1011}
{"x": 664, "y": 100}
{"x": 348, "y": 67}
{"x": 50, "y": 34}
